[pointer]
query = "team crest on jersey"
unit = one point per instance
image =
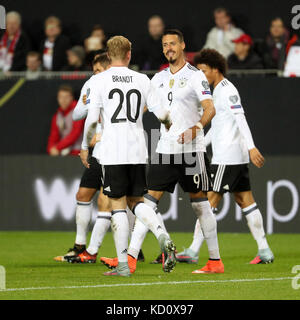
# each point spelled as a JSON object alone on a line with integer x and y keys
{"x": 234, "y": 98}
{"x": 171, "y": 83}
{"x": 205, "y": 85}
{"x": 182, "y": 83}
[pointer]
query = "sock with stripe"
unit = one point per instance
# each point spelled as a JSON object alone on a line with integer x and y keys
{"x": 161, "y": 221}
{"x": 208, "y": 224}
{"x": 137, "y": 238}
{"x": 120, "y": 229}
{"x": 197, "y": 239}
{"x": 152, "y": 202}
{"x": 131, "y": 220}
{"x": 255, "y": 224}
{"x": 100, "y": 228}
{"x": 149, "y": 218}
{"x": 83, "y": 218}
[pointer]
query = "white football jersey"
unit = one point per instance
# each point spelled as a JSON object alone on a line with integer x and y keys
{"x": 121, "y": 95}
{"x": 228, "y": 144}
{"x": 81, "y": 109}
{"x": 181, "y": 93}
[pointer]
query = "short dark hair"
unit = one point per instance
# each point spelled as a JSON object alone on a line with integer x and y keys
{"x": 212, "y": 58}
{"x": 222, "y": 9}
{"x": 277, "y": 18}
{"x": 103, "y": 59}
{"x": 66, "y": 87}
{"x": 34, "y": 54}
{"x": 176, "y": 32}
{"x": 97, "y": 27}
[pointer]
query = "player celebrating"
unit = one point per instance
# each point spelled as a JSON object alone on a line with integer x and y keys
{"x": 232, "y": 144}
{"x": 181, "y": 153}
{"x": 120, "y": 94}
{"x": 90, "y": 183}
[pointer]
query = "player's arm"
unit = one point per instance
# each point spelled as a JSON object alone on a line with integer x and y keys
{"x": 256, "y": 157}
{"x": 97, "y": 136}
{"x": 208, "y": 113}
{"x": 81, "y": 109}
{"x": 91, "y": 121}
{"x": 88, "y": 133}
{"x": 200, "y": 86}
{"x": 236, "y": 108}
{"x": 155, "y": 105}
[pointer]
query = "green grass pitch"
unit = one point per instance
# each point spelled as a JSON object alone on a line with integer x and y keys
{"x": 31, "y": 272}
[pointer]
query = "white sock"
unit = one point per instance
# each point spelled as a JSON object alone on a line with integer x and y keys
{"x": 131, "y": 220}
{"x": 255, "y": 223}
{"x": 100, "y": 228}
{"x": 197, "y": 238}
{"x": 161, "y": 221}
{"x": 137, "y": 238}
{"x": 120, "y": 228}
{"x": 83, "y": 218}
{"x": 152, "y": 202}
{"x": 208, "y": 225}
{"x": 148, "y": 217}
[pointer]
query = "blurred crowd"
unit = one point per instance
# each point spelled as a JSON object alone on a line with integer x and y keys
{"x": 56, "y": 52}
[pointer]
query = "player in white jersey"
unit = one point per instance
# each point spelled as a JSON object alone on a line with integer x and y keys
{"x": 120, "y": 95}
{"x": 180, "y": 155}
{"x": 232, "y": 144}
{"x": 90, "y": 183}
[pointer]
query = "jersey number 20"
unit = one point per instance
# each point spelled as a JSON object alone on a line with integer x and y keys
{"x": 114, "y": 118}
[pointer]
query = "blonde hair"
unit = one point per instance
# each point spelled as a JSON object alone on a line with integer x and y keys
{"x": 118, "y": 47}
{"x": 14, "y": 15}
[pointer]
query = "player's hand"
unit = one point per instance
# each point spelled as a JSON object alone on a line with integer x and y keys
{"x": 84, "y": 157}
{"x": 167, "y": 122}
{"x": 188, "y": 135}
{"x": 256, "y": 157}
{"x": 54, "y": 152}
{"x": 84, "y": 99}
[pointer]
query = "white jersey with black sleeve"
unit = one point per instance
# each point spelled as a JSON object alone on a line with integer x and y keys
{"x": 229, "y": 145}
{"x": 181, "y": 94}
{"x": 120, "y": 95}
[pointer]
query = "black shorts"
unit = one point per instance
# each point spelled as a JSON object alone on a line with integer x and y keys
{"x": 124, "y": 180}
{"x": 230, "y": 178}
{"x": 92, "y": 177}
{"x": 190, "y": 170}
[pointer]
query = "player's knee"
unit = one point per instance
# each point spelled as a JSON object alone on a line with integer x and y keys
{"x": 241, "y": 201}
{"x": 83, "y": 196}
{"x": 103, "y": 203}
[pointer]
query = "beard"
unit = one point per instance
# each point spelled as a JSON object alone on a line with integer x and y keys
{"x": 171, "y": 60}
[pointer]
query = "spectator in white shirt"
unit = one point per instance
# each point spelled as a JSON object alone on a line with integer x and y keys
{"x": 220, "y": 37}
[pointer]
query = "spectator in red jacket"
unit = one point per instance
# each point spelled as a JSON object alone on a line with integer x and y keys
{"x": 65, "y": 135}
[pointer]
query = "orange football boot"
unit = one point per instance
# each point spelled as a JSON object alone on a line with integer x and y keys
{"x": 212, "y": 266}
{"x": 113, "y": 262}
